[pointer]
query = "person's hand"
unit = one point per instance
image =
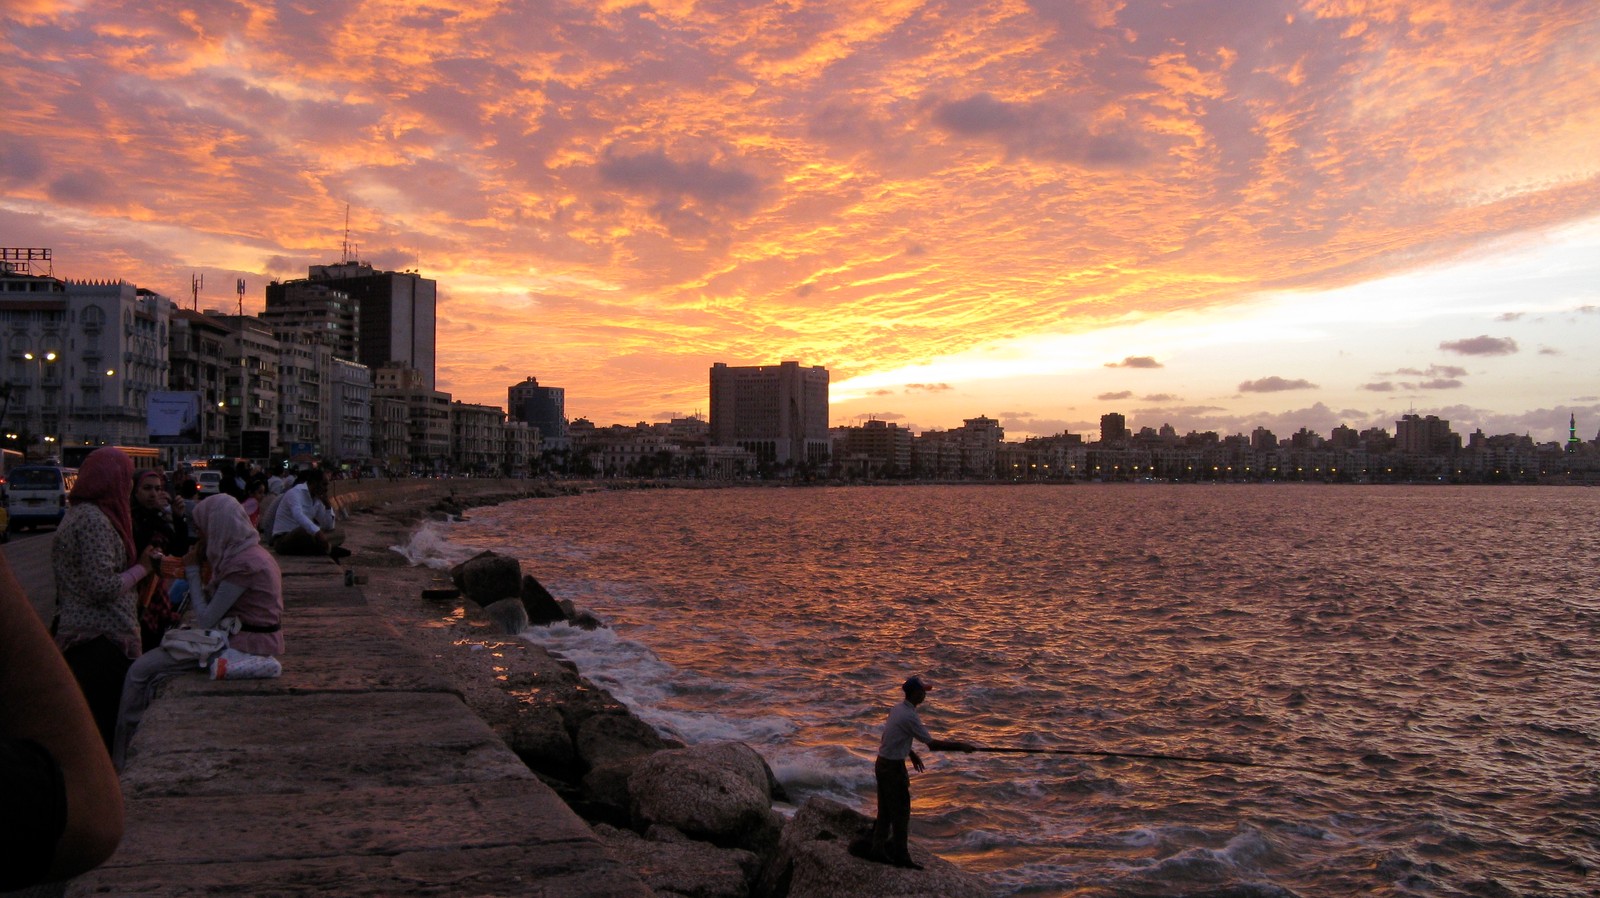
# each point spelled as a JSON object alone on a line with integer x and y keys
{"x": 916, "y": 762}
{"x": 150, "y": 558}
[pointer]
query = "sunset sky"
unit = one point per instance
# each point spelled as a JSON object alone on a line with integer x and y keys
{"x": 1216, "y": 214}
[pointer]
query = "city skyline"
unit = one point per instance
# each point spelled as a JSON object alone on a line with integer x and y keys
{"x": 1287, "y": 215}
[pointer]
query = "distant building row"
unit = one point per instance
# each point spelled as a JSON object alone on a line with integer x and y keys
{"x": 339, "y": 366}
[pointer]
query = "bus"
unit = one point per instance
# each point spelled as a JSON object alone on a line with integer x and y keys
{"x": 145, "y": 458}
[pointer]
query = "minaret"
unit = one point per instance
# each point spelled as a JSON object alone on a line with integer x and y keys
{"x": 1572, "y": 433}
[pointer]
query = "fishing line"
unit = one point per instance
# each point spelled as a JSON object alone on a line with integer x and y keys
{"x": 1149, "y": 756}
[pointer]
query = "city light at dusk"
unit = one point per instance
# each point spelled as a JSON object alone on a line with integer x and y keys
{"x": 1217, "y": 215}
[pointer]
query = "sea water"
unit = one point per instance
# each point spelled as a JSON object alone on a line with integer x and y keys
{"x": 1421, "y": 663}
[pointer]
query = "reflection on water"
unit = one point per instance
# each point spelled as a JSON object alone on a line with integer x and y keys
{"x": 1429, "y": 651}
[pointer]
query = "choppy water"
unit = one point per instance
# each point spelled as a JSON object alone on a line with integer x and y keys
{"x": 1430, "y": 653}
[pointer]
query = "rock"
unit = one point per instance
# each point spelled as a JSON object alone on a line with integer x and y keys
{"x": 606, "y": 738}
{"x": 488, "y": 577}
{"x": 683, "y": 867}
{"x": 579, "y": 617}
{"x": 813, "y": 860}
{"x": 543, "y": 609}
{"x": 611, "y": 744}
{"x": 586, "y": 621}
{"x": 717, "y": 793}
{"x": 539, "y": 737}
{"x": 509, "y": 615}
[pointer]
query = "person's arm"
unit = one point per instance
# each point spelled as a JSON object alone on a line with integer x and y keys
{"x": 40, "y": 701}
{"x": 300, "y": 510}
{"x": 210, "y": 610}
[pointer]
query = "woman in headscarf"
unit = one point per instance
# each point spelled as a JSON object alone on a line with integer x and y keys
{"x": 244, "y": 588}
{"x": 154, "y": 524}
{"x": 96, "y": 569}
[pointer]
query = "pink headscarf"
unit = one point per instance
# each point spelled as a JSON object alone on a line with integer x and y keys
{"x": 105, "y": 479}
{"x": 232, "y": 545}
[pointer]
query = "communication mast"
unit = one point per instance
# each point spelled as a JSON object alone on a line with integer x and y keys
{"x": 196, "y": 281}
{"x": 241, "y": 297}
{"x": 348, "y": 250}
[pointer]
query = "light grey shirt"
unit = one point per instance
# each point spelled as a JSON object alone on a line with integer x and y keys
{"x": 904, "y": 725}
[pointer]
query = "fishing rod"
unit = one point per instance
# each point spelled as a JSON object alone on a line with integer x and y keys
{"x": 1150, "y": 756}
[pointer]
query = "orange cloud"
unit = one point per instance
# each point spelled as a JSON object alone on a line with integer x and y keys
{"x": 617, "y": 195}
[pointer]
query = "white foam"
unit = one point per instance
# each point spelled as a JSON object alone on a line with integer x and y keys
{"x": 430, "y": 547}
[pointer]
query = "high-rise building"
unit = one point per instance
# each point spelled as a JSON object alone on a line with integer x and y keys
{"x": 1114, "y": 428}
{"x": 1416, "y": 435}
{"x": 779, "y": 413}
{"x": 318, "y": 310}
{"x": 541, "y": 407}
{"x": 398, "y": 314}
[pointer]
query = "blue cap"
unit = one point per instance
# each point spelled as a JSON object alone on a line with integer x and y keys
{"x": 915, "y": 683}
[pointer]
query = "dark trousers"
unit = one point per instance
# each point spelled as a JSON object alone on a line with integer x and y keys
{"x": 99, "y": 666}
{"x": 300, "y": 542}
{"x": 892, "y": 828}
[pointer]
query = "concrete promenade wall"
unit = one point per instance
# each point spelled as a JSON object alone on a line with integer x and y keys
{"x": 359, "y": 772}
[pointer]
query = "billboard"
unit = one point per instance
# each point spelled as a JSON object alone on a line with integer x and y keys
{"x": 174, "y": 419}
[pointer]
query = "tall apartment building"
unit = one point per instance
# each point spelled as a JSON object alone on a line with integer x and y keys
{"x": 876, "y": 448}
{"x": 427, "y": 415}
{"x": 197, "y": 354}
{"x": 1416, "y": 435}
{"x": 317, "y": 308}
{"x": 541, "y": 407}
{"x": 477, "y": 440}
{"x": 250, "y": 381}
{"x": 1114, "y": 428}
{"x": 398, "y": 314}
{"x": 779, "y": 413}
{"x": 350, "y": 412}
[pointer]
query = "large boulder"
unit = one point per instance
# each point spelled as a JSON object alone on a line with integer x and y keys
{"x": 508, "y": 615}
{"x": 679, "y": 866}
{"x": 611, "y": 746}
{"x": 542, "y": 607}
{"x": 488, "y": 577}
{"x": 813, "y": 860}
{"x": 717, "y": 793}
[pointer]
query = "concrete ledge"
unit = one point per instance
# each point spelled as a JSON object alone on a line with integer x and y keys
{"x": 359, "y": 772}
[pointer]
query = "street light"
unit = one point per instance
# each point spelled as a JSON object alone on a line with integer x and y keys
{"x": 39, "y": 363}
{"x": 100, "y": 412}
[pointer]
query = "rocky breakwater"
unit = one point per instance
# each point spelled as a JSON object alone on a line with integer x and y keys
{"x": 691, "y": 820}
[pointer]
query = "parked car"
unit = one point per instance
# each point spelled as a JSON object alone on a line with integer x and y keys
{"x": 208, "y": 482}
{"x": 37, "y": 494}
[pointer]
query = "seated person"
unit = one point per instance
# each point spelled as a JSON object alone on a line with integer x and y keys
{"x": 302, "y": 524}
{"x": 245, "y": 585}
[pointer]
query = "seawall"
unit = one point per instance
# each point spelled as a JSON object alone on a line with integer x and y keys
{"x": 359, "y": 771}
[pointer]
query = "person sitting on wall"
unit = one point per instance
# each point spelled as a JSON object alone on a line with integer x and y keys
{"x": 302, "y": 524}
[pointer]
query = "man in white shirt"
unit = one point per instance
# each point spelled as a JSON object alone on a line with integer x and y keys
{"x": 891, "y": 830}
{"x": 302, "y": 524}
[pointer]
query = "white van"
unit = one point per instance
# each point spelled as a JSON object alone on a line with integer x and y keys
{"x": 37, "y": 494}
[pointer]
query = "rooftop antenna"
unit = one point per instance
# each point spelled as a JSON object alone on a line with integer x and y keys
{"x": 196, "y": 281}
{"x": 348, "y": 250}
{"x": 241, "y": 297}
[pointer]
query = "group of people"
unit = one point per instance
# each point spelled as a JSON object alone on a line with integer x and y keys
{"x": 132, "y": 558}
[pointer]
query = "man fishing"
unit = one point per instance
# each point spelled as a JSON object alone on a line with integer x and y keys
{"x": 891, "y": 830}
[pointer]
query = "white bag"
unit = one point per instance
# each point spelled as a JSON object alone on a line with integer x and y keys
{"x": 232, "y": 664}
{"x": 186, "y": 644}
